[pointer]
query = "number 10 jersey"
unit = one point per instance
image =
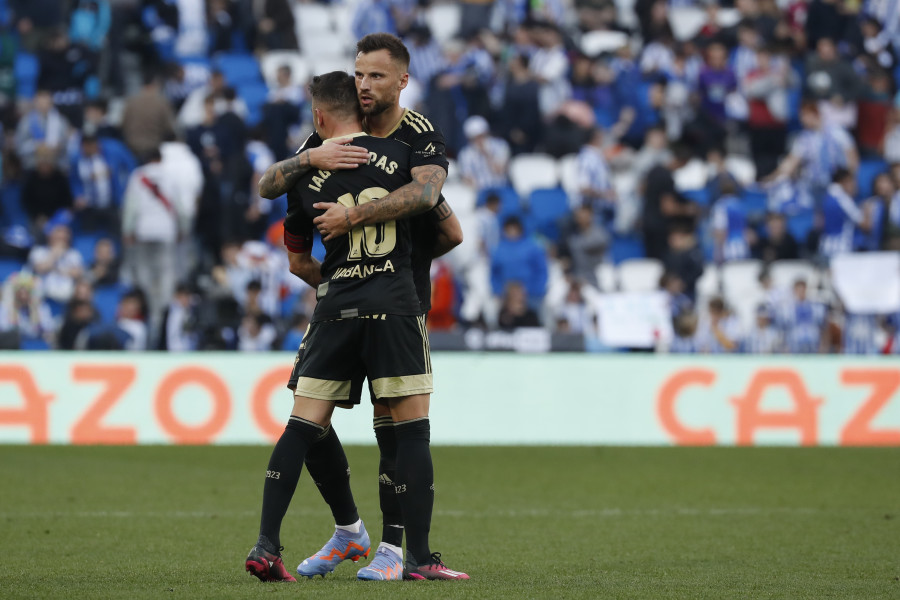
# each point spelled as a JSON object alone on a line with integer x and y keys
{"x": 367, "y": 271}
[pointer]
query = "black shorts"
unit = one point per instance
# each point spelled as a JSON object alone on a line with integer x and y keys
{"x": 335, "y": 356}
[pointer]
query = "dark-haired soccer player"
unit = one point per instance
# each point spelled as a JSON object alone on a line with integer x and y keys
{"x": 381, "y": 67}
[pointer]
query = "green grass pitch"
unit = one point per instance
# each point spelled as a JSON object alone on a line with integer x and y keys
{"x": 535, "y": 522}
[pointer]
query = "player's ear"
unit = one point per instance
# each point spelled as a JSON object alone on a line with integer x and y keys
{"x": 404, "y": 81}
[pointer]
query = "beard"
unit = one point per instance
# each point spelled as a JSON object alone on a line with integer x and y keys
{"x": 376, "y": 108}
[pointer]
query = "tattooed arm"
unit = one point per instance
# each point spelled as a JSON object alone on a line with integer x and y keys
{"x": 334, "y": 155}
{"x": 418, "y": 196}
{"x": 449, "y": 231}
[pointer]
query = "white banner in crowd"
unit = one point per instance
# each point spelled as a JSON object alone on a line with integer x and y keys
{"x": 868, "y": 283}
{"x": 213, "y": 398}
{"x": 634, "y": 320}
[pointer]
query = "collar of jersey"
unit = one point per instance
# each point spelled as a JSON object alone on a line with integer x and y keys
{"x": 396, "y": 125}
{"x": 350, "y": 135}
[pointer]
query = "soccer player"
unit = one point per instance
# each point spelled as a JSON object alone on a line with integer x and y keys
{"x": 381, "y": 67}
{"x": 367, "y": 320}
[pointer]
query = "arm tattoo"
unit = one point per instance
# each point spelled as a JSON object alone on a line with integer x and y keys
{"x": 418, "y": 196}
{"x": 282, "y": 176}
{"x": 442, "y": 212}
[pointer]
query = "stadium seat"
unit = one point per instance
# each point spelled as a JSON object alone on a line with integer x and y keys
{"x": 686, "y": 22}
{"x": 85, "y": 242}
{"x": 254, "y": 95}
{"x": 739, "y": 278}
{"x": 640, "y": 274}
{"x": 699, "y": 196}
{"x": 869, "y": 169}
{"x": 568, "y": 173}
{"x": 312, "y": 18}
{"x": 273, "y": 60}
{"x": 26, "y": 68}
{"x": 238, "y": 69}
{"x": 755, "y": 201}
{"x": 326, "y": 63}
{"x": 624, "y": 247}
{"x": 607, "y": 277}
{"x": 443, "y": 20}
{"x": 742, "y": 168}
{"x": 785, "y": 272}
{"x": 322, "y": 43}
{"x": 692, "y": 176}
{"x": 460, "y": 196}
{"x": 8, "y": 266}
{"x": 546, "y": 208}
{"x": 11, "y": 205}
{"x": 800, "y": 225}
{"x": 708, "y": 285}
{"x": 30, "y": 343}
{"x": 595, "y": 43}
{"x": 106, "y": 301}
{"x": 529, "y": 172}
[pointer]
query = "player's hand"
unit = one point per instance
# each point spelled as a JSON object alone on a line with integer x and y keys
{"x": 334, "y": 222}
{"x": 335, "y": 155}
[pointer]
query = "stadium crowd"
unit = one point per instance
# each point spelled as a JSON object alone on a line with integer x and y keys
{"x": 722, "y": 153}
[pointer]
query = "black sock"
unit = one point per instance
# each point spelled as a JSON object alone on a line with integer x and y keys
{"x": 415, "y": 484}
{"x": 283, "y": 473}
{"x": 328, "y": 467}
{"x": 391, "y": 515}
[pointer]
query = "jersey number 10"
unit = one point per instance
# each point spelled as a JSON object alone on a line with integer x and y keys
{"x": 372, "y": 240}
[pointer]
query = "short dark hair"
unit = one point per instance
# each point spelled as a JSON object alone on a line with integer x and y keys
{"x": 841, "y": 175}
{"x": 337, "y": 91}
{"x": 384, "y": 41}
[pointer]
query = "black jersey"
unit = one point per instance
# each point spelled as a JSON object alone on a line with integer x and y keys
{"x": 369, "y": 270}
{"x": 426, "y": 143}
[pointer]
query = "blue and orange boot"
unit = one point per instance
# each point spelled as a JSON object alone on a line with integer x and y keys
{"x": 342, "y": 546}
{"x": 386, "y": 566}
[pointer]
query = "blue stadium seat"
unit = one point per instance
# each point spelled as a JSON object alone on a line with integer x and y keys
{"x": 625, "y": 247}
{"x": 254, "y": 95}
{"x": 800, "y": 225}
{"x": 869, "y": 169}
{"x": 85, "y": 242}
{"x": 510, "y": 203}
{"x": 546, "y": 208}
{"x": 27, "y": 68}
{"x": 238, "y": 68}
{"x": 11, "y": 205}
{"x": 700, "y": 196}
{"x": 106, "y": 301}
{"x": 34, "y": 344}
{"x": 755, "y": 201}
{"x": 8, "y": 266}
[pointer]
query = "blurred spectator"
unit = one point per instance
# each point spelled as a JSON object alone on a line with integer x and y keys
{"x": 514, "y": 309}
{"x": 180, "y": 322}
{"x": 766, "y": 87}
{"x": 594, "y": 180}
{"x": 776, "y": 243}
{"x": 841, "y": 216}
{"x": 817, "y": 152}
{"x": 183, "y": 168}
{"x": 98, "y": 175}
{"x": 193, "y": 111}
{"x": 176, "y": 86}
{"x": 684, "y": 258}
{"x": 875, "y": 212}
{"x": 859, "y": 334}
{"x": 57, "y": 264}
{"x": 97, "y": 120}
{"x": 131, "y": 320}
{"x": 79, "y": 316}
{"x": 282, "y": 112}
{"x": 484, "y": 162}
{"x": 716, "y": 82}
{"x": 519, "y": 258}
{"x": 274, "y": 26}
{"x": 42, "y": 125}
{"x": 36, "y": 20}
{"x": 586, "y": 245}
{"x": 373, "y": 16}
{"x": 255, "y": 334}
{"x": 46, "y": 189}
{"x": 23, "y": 310}
{"x": 520, "y": 115}
{"x": 673, "y": 286}
{"x": 729, "y": 226}
{"x": 892, "y": 138}
{"x": 663, "y": 206}
{"x": 721, "y": 181}
{"x": 294, "y": 336}
{"x": 721, "y": 331}
{"x": 549, "y": 66}
{"x": 574, "y": 314}
{"x": 685, "y": 329}
{"x": 764, "y": 337}
{"x": 442, "y": 315}
{"x": 104, "y": 269}
{"x": 426, "y": 57}
{"x": 147, "y": 119}
{"x": 875, "y": 106}
{"x": 828, "y": 76}
{"x": 804, "y": 322}
{"x": 654, "y": 152}
{"x": 89, "y": 23}
{"x": 65, "y": 68}
{"x": 152, "y": 223}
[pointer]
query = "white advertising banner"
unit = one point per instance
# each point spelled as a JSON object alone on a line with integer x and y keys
{"x": 868, "y": 283}
{"x": 213, "y": 398}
